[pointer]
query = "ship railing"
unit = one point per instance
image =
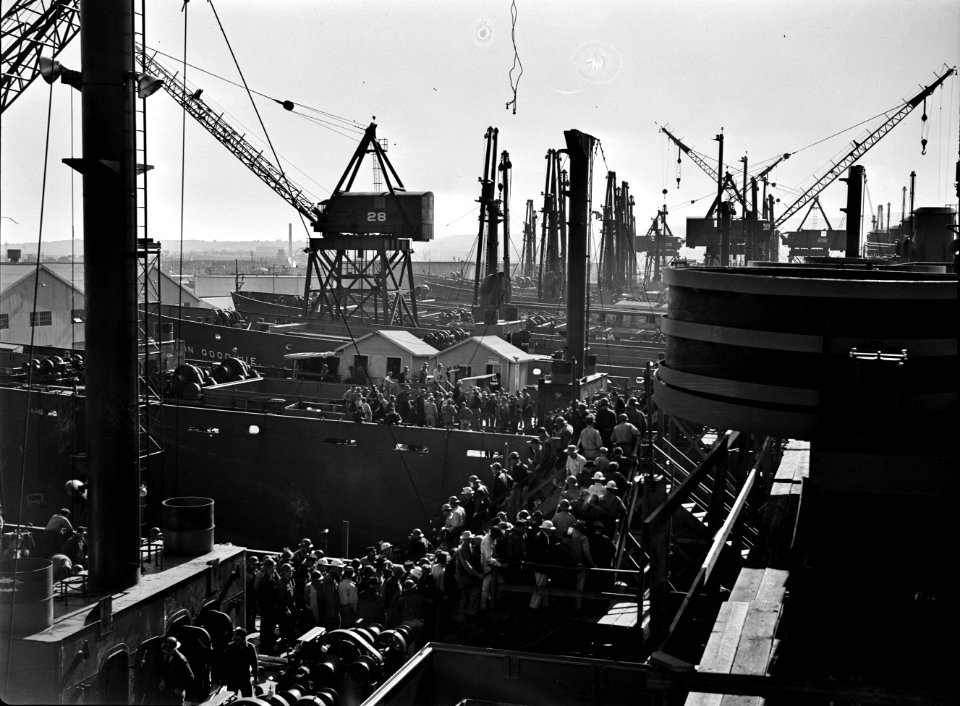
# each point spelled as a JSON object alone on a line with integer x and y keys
{"x": 626, "y": 543}
{"x": 728, "y": 525}
{"x": 711, "y": 495}
{"x": 564, "y": 573}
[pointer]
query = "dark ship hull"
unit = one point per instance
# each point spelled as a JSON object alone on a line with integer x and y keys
{"x": 277, "y": 471}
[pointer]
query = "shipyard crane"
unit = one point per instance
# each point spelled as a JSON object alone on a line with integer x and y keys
{"x": 34, "y": 26}
{"x": 28, "y": 28}
{"x": 608, "y": 238}
{"x": 860, "y": 148}
{"x": 618, "y": 259}
{"x": 528, "y": 257}
{"x": 732, "y": 191}
{"x": 551, "y": 276}
{"x": 362, "y": 255}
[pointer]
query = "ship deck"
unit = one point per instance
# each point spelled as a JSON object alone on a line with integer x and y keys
{"x": 74, "y": 602}
{"x": 744, "y": 636}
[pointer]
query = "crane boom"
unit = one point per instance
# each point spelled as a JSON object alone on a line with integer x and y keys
{"x": 242, "y": 149}
{"x": 859, "y": 149}
{"x": 731, "y": 188}
{"x": 770, "y": 168}
{"x": 29, "y": 28}
{"x": 32, "y": 27}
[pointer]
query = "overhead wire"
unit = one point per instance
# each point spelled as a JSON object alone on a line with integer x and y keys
{"x": 29, "y": 391}
{"x": 183, "y": 199}
{"x": 73, "y": 240}
{"x": 393, "y": 436}
{"x": 255, "y": 109}
{"x": 347, "y": 123}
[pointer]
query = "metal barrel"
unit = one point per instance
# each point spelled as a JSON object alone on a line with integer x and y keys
{"x": 187, "y": 525}
{"x": 26, "y": 596}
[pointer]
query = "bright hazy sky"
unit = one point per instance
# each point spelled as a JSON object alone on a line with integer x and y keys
{"x": 775, "y": 76}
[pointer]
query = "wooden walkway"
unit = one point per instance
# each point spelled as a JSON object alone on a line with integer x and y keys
{"x": 743, "y": 640}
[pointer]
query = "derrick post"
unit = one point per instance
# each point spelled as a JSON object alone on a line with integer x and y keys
{"x": 854, "y": 197}
{"x": 724, "y": 234}
{"x": 752, "y": 247}
{"x": 109, "y": 167}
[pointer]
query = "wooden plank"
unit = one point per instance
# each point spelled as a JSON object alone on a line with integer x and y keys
{"x": 698, "y": 698}
{"x": 756, "y": 640}
{"x": 748, "y": 582}
{"x": 773, "y": 586}
{"x": 721, "y": 649}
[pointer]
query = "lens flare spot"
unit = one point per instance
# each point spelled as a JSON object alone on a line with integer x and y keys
{"x": 597, "y": 62}
{"x": 484, "y": 31}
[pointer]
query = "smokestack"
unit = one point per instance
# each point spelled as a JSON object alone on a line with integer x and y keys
{"x": 853, "y": 210}
{"x": 580, "y": 150}
{"x": 290, "y": 240}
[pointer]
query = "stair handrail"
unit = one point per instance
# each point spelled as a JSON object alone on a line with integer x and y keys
{"x": 633, "y": 493}
{"x": 719, "y": 541}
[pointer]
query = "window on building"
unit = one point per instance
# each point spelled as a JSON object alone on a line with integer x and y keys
{"x": 4, "y": 321}
{"x": 78, "y": 316}
{"x": 360, "y": 369}
{"x": 41, "y": 318}
{"x": 394, "y": 366}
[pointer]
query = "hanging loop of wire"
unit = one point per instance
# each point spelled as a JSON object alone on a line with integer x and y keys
{"x": 514, "y": 82}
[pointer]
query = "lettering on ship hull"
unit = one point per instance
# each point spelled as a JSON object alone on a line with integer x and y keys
{"x": 211, "y": 354}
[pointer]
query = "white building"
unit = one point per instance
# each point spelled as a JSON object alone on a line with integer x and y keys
{"x": 485, "y": 355}
{"x": 57, "y": 319}
{"x": 382, "y": 351}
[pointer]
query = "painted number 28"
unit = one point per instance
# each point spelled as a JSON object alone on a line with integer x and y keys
{"x": 376, "y": 216}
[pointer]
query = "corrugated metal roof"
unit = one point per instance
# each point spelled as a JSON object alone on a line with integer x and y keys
{"x": 404, "y": 339}
{"x": 498, "y": 346}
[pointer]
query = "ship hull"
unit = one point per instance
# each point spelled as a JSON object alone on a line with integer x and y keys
{"x": 274, "y": 476}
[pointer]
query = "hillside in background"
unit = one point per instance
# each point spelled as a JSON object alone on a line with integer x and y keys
{"x": 446, "y": 249}
{"x": 452, "y": 247}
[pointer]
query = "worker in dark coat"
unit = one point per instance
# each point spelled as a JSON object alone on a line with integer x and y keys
{"x": 176, "y": 677}
{"x": 241, "y": 664}
{"x": 606, "y": 421}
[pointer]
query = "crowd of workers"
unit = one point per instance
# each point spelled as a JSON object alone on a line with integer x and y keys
{"x": 440, "y": 404}
{"x": 493, "y": 541}
{"x": 493, "y": 533}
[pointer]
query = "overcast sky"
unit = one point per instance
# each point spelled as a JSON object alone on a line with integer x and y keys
{"x": 774, "y": 76}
